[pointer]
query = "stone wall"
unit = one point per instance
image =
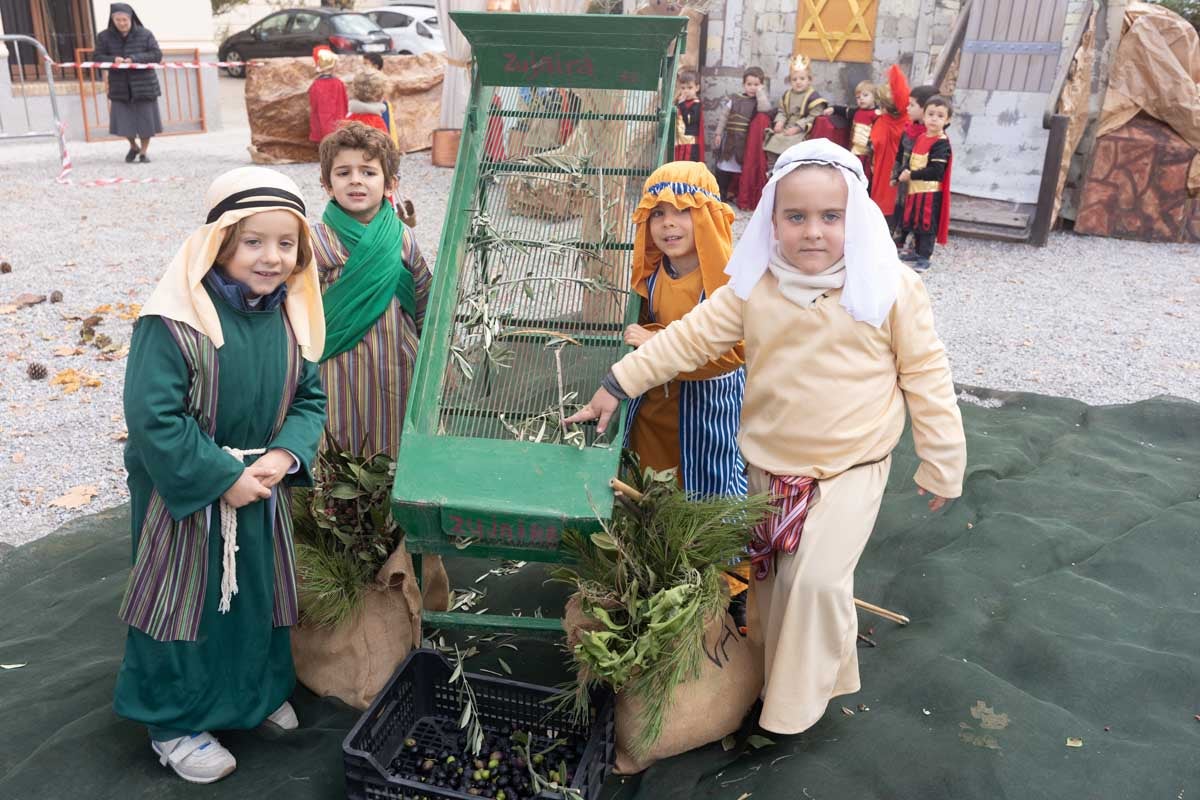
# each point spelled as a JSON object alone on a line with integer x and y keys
{"x": 911, "y": 33}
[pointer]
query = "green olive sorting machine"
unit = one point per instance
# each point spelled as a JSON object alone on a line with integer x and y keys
{"x": 568, "y": 115}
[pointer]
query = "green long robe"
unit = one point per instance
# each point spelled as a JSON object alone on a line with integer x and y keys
{"x": 239, "y": 669}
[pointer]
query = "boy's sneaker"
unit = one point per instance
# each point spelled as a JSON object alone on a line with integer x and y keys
{"x": 909, "y": 255}
{"x": 920, "y": 264}
{"x": 198, "y": 758}
{"x": 284, "y": 717}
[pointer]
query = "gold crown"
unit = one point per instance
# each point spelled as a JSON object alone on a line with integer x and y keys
{"x": 800, "y": 63}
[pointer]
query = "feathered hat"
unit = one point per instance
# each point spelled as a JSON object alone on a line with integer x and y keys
{"x": 324, "y": 58}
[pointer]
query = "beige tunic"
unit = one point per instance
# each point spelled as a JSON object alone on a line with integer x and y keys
{"x": 825, "y": 398}
{"x": 823, "y": 391}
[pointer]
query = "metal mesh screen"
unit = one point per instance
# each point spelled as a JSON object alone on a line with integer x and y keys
{"x": 544, "y": 284}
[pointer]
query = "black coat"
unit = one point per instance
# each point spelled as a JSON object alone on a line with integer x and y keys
{"x": 130, "y": 85}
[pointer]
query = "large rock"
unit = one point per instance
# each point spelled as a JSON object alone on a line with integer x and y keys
{"x": 1137, "y": 187}
{"x": 277, "y": 102}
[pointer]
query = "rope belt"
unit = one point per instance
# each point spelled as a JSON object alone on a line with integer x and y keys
{"x": 229, "y": 585}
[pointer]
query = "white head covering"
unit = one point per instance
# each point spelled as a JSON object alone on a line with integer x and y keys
{"x": 237, "y": 194}
{"x": 872, "y": 266}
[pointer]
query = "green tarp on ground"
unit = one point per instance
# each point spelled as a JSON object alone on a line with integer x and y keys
{"x": 1057, "y": 599}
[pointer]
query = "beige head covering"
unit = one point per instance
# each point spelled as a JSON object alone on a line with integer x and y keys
{"x": 236, "y": 195}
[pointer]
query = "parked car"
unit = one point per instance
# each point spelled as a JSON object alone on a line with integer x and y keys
{"x": 412, "y": 26}
{"x": 296, "y": 31}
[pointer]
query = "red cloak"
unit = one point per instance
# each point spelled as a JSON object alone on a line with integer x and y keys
{"x": 754, "y": 164}
{"x": 327, "y": 106}
{"x": 885, "y": 142}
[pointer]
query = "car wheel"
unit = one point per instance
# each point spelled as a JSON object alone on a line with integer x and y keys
{"x": 234, "y": 72}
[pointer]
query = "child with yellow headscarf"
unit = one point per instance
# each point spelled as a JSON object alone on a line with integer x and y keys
{"x": 682, "y": 244}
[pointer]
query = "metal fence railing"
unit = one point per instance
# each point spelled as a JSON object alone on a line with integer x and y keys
{"x": 24, "y": 124}
{"x": 181, "y": 104}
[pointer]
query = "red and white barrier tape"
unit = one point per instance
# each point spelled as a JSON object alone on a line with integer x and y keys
{"x": 158, "y": 65}
{"x": 64, "y": 174}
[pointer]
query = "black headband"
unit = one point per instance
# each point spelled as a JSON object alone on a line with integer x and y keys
{"x": 237, "y": 200}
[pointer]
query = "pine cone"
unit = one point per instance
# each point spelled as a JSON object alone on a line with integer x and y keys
{"x": 5, "y": 267}
{"x": 36, "y": 371}
{"x": 56, "y": 296}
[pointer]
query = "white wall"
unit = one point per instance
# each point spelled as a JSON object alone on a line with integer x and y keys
{"x": 175, "y": 23}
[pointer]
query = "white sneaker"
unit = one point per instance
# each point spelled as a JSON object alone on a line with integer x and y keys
{"x": 198, "y": 758}
{"x": 285, "y": 717}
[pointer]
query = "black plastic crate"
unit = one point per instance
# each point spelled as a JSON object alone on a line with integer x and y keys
{"x": 419, "y": 703}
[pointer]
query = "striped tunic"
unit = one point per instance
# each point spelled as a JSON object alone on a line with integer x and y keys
{"x": 368, "y": 385}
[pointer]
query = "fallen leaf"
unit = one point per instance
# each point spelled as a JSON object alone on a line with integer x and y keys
{"x": 113, "y": 352}
{"x": 758, "y": 742}
{"x": 7, "y": 308}
{"x": 11, "y": 666}
{"x": 18, "y": 458}
{"x": 847, "y": 712}
{"x": 72, "y": 380}
{"x": 67, "y": 350}
{"x": 26, "y": 299}
{"x": 120, "y": 437}
{"x": 745, "y": 795}
{"x": 988, "y": 718}
{"x": 129, "y": 311}
{"x": 104, "y": 309}
{"x": 1074, "y": 741}
{"x": 728, "y": 743}
{"x": 76, "y": 497}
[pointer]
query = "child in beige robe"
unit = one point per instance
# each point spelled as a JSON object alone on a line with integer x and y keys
{"x": 839, "y": 340}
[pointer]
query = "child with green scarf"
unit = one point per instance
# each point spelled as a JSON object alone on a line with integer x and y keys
{"x": 375, "y": 286}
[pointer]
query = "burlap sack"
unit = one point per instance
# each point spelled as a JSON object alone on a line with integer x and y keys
{"x": 435, "y": 584}
{"x": 354, "y": 660}
{"x": 703, "y": 710}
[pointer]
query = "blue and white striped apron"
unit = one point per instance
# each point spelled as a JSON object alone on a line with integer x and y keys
{"x": 709, "y": 414}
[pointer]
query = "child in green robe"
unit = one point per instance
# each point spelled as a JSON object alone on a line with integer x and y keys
{"x": 376, "y": 286}
{"x": 224, "y": 407}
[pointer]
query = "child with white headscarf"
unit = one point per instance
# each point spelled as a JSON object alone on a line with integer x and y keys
{"x": 839, "y": 338}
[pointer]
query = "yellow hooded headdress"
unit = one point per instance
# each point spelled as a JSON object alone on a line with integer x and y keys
{"x": 685, "y": 184}
{"x": 235, "y": 195}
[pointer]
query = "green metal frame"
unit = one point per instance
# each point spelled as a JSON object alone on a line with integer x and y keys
{"x": 513, "y": 499}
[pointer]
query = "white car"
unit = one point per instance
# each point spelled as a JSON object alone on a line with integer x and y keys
{"x": 413, "y": 28}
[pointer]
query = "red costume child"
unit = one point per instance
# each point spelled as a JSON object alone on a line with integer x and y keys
{"x": 885, "y": 139}
{"x": 327, "y": 102}
{"x": 689, "y": 119}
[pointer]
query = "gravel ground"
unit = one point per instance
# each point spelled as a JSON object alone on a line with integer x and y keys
{"x": 1103, "y": 321}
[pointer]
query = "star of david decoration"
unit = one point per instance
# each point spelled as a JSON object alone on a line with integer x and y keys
{"x": 836, "y": 30}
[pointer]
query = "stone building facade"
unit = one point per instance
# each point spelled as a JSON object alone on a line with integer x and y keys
{"x": 999, "y": 139}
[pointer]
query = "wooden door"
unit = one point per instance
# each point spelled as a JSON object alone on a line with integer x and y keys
{"x": 1012, "y": 45}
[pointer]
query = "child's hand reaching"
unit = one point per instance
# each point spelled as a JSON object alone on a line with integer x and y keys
{"x": 636, "y": 335}
{"x": 248, "y": 489}
{"x": 827, "y": 112}
{"x": 601, "y": 407}
{"x": 936, "y": 503}
{"x": 273, "y": 465}
{"x": 905, "y": 176}
{"x": 779, "y": 126}
{"x": 792, "y": 131}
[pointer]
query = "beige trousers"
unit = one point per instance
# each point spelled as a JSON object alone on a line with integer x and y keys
{"x": 802, "y": 614}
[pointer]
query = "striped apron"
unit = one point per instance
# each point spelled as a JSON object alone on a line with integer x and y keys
{"x": 709, "y": 413}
